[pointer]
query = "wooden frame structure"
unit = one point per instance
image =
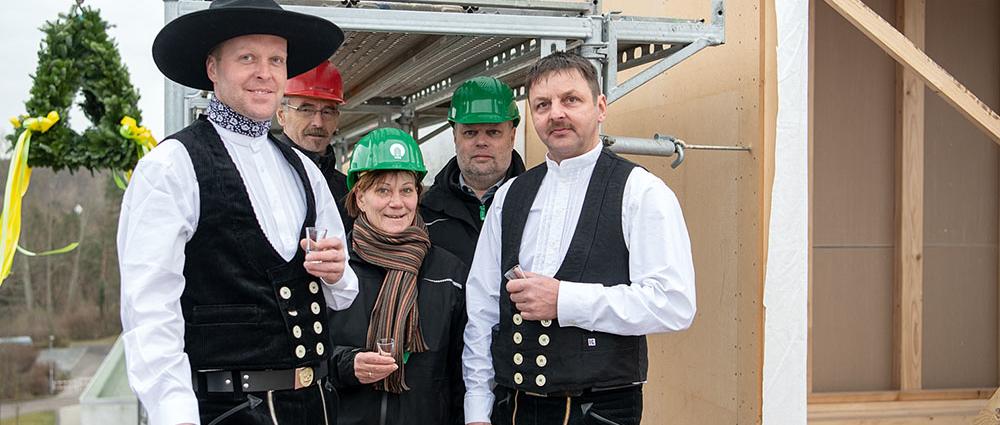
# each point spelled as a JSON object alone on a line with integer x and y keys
{"x": 911, "y": 403}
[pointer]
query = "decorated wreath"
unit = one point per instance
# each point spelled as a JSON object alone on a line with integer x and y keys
{"x": 76, "y": 56}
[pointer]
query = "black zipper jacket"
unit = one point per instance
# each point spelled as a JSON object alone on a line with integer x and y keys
{"x": 454, "y": 217}
{"x": 434, "y": 376}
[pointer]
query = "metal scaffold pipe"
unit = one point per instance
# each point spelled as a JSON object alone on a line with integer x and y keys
{"x": 659, "y": 146}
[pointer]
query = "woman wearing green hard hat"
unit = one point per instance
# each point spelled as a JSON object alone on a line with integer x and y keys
{"x": 398, "y": 349}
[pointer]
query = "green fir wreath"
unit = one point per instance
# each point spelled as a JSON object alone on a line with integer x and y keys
{"x": 78, "y": 56}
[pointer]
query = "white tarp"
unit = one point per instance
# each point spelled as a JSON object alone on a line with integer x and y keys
{"x": 786, "y": 294}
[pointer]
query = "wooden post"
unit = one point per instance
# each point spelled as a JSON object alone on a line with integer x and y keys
{"x": 908, "y": 282}
{"x": 904, "y": 52}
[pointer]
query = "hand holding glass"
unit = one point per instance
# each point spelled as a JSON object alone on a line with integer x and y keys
{"x": 313, "y": 235}
{"x": 514, "y": 273}
{"x": 386, "y": 346}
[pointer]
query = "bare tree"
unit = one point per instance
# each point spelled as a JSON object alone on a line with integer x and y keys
{"x": 75, "y": 274}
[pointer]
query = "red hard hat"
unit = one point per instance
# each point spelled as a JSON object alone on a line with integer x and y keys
{"x": 321, "y": 82}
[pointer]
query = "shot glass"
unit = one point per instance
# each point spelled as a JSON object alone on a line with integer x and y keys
{"x": 386, "y": 346}
{"x": 314, "y": 234}
{"x": 514, "y": 273}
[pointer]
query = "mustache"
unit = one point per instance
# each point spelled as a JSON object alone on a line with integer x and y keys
{"x": 557, "y": 125}
{"x": 316, "y": 132}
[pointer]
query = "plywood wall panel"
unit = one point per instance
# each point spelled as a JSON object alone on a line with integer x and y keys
{"x": 960, "y": 316}
{"x": 961, "y": 203}
{"x": 852, "y": 319}
{"x": 853, "y": 215}
{"x": 854, "y": 132}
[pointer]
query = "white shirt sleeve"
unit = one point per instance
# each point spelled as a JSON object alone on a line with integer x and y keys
{"x": 482, "y": 303}
{"x": 661, "y": 297}
{"x": 339, "y": 295}
{"x": 158, "y": 217}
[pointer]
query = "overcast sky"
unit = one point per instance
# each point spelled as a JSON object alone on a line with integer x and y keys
{"x": 134, "y": 24}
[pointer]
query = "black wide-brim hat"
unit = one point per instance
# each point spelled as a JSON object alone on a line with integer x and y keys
{"x": 181, "y": 47}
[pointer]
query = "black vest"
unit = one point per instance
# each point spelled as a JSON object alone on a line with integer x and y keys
{"x": 244, "y": 306}
{"x": 542, "y": 357}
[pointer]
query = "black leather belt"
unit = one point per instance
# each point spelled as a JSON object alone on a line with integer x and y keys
{"x": 586, "y": 391}
{"x": 221, "y": 381}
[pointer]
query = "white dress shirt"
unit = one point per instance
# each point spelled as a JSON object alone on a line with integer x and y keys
{"x": 159, "y": 216}
{"x": 661, "y": 297}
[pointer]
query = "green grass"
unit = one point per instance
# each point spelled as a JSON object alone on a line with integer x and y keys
{"x": 39, "y": 418}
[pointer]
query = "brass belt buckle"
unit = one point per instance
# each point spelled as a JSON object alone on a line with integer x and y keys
{"x": 303, "y": 377}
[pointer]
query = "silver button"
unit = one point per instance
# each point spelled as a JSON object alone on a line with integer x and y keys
{"x": 300, "y": 351}
{"x": 540, "y": 380}
{"x": 518, "y": 378}
{"x": 320, "y": 348}
{"x": 246, "y": 377}
{"x": 315, "y": 308}
{"x": 285, "y": 292}
{"x": 314, "y": 287}
{"x": 246, "y": 386}
{"x": 541, "y": 361}
{"x": 543, "y": 340}
{"x": 229, "y": 381}
{"x": 546, "y": 323}
{"x": 518, "y": 319}
{"x": 517, "y": 337}
{"x": 318, "y": 327}
{"x": 518, "y": 358}
{"x": 293, "y": 313}
{"x": 297, "y": 331}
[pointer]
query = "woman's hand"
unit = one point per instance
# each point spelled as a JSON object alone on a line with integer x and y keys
{"x": 370, "y": 367}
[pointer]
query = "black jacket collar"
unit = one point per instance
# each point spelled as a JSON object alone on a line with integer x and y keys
{"x": 447, "y": 197}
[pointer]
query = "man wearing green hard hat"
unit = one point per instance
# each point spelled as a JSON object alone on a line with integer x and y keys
{"x": 484, "y": 120}
{"x": 403, "y": 334}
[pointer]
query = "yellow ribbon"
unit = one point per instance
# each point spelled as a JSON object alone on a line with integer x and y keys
{"x": 18, "y": 178}
{"x": 130, "y": 129}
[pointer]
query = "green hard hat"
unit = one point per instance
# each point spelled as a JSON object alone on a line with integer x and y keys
{"x": 483, "y": 100}
{"x": 386, "y": 149}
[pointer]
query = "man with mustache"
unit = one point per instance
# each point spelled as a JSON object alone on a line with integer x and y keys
{"x": 484, "y": 120}
{"x": 579, "y": 259}
{"x": 309, "y": 116}
{"x": 224, "y": 313}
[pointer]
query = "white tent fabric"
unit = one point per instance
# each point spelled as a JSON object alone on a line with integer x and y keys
{"x": 786, "y": 281}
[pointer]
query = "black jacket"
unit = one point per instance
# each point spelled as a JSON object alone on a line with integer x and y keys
{"x": 434, "y": 376}
{"x": 327, "y": 163}
{"x": 453, "y": 216}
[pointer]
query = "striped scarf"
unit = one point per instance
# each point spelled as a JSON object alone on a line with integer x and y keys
{"x": 395, "y": 314}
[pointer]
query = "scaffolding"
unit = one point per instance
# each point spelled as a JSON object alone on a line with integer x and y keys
{"x": 402, "y": 59}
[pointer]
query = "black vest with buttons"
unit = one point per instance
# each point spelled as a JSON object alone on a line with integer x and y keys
{"x": 244, "y": 306}
{"x": 540, "y": 356}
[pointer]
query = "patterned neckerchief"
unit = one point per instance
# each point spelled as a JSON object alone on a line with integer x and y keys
{"x": 236, "y": 122}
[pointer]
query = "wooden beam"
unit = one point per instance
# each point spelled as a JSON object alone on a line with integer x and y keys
{"x": 920, "y": 395}
{"x": 908, "y": 279}
{"x": 932, "y": 412}
{"x": 904, "y": 52}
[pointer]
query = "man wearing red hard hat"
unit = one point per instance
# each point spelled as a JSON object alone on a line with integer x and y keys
{"x": 309, "y": 117}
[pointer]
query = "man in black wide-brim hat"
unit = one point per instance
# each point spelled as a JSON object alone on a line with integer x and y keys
{"x": 223, "y": 310}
